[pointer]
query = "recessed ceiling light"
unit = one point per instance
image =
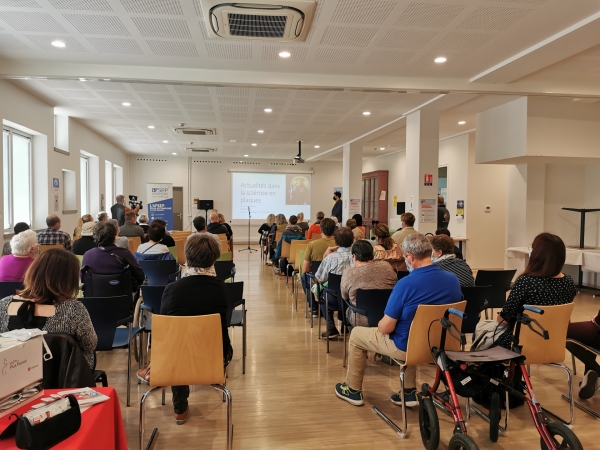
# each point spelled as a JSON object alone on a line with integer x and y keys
{"x": 106, "y": 79}
{"x": 462, "y": 122}
{"x": 253, "y": 144}
{"x": 381, "y": 148}
{"x": 261, "y": 131}
{"x": 165, "y": 142}
{"x": 246, "y": 156}
{"x": 317, "y": 146}
{"x": 268, "y": 110}
{"x": 82, "y": 79}
{"x": 151, "y": 127}
{"x": 232, "y": 140}
{"x": 366, "y": 113}
{"x": 285, "y": 54}
{"x": 59, "y": 44}
{"x": 440, "y": 59}
{"x": 126, "y": 104}
{"x": 173, "y": 153}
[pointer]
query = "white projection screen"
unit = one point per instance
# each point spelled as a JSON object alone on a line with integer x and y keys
{"x": 266, "y": 193}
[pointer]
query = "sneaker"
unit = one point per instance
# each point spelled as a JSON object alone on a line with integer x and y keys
{"x": 343, "y": 391}
{"x": 332, "y": 333}
{"x": 269, "y": 263}
{"x": 587, "y": 388}
{"x": 410, "y": 397}
{"x": 180, "y": 419}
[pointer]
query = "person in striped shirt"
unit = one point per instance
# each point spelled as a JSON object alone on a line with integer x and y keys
{"x": 443, "y": 255}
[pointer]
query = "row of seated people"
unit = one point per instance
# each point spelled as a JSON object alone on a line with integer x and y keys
{"x": 49, "y": 300}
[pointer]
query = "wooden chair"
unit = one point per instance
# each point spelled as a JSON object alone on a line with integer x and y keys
{"x": 315, "y": 237}
{"x": 179, "y": 234}
{"x": 285, "y": 253}
{"x": 299, "y": 274}
{"x": 180, "y": 246}
{"x": 197, "y": 361}
{"x": 294, "y": 260}
{"x": 46, "y": 247}
{"x": 278, "y": 236}
{"x": 548, "y": 351}
{"x": 134, "y": 243}
{"x": 418, "y": 350}
{"x": 225, "y": 256}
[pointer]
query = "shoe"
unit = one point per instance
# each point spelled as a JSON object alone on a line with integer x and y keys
{"x": 332, "y": 333}
{"x": 180, "y": 419}
{"x": 269, "y": 263}
{"x": 315, "y": 314}
{"x": 410, "y": 397}
{"x": 343, "y": 391}
{"x": 587, "y": 388}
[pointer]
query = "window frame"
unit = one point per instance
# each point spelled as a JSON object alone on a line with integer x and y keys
{"x": 87, "y": 183}
{"x": 12, "y": 131}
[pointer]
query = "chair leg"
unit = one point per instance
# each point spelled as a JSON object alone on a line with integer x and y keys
{"x": 571, "y": 401}
{"x": 402, "y": 432}
{"x": 163, "y": 397}
{"x": 104, "y": 380}
{"x": 129, "y": 366}
{"x": 319, "y": 318}
{"x": 142, "y": 417}
{"x": 244, "y": 344}
{"x": 574, "y": 366}
{"x": 227, "y": 395}
{"x": 326, "y": 321}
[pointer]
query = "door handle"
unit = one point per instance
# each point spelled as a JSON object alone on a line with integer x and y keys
{"x": 179, "y": 214}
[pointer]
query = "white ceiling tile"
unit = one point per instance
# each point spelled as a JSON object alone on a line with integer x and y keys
{"x": 534, "y": 2}
{"x": 108, "y": 116}
{"x": 228, "y": 51}
{"x": 412, "y": 39}
{"x": 198, "y": 107}
{"x": 156, "y": 97}
{"x": 20, "y": 3}
{"x": 194, "y": 99}
{"x": 45, "y": 43}
{"x": 431, "y": 15}
{"x": 463, "y": 41}
{"x": 32, "y": 21}
{"x": 350, "y": 96}
{"x": 493, "y": 18}
{"x": 149, "y": 87}
{"x": 140, "y": 116}
{"x": 167, "y": 7}
{"x": 201, "y": 114}
{"x": 308, "y": 94}
{"x": 273, "y": 93}
{"x": 106, "y": 86}
{"x": 336, "y": 56}
{"x": 348, "y": 36}
{"x": 116, "y": 95}
{"x": 100, "y": 109}
{"x": 389, "y": 58}
{"x": 173, "y": 48}
{"x": 97, "y": 24}
{"x": 234, "y": 108}
{"x": 162, "y": 28}
{"x": 162, "y": 105}
{"x": 232, "y": 91}
{"x": 271, "y": 53}
{"x": 263, "y": 103}
{"x": 362, "y": 11}
{"x": 88, "y": 102}
{"x": 185, "y": 89}
{"x": 232, "y": 100}
{"x": 115, "y": 45}
{"x": 76, "y": 94}
{"x": 82, "y": 5}
{"x": 62, "y": 84}
{"x": 9, "y": 41}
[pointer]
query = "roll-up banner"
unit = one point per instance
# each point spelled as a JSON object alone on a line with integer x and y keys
{"x": 160, "y": 202}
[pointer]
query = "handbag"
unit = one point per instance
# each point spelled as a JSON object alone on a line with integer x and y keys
{"x": 486, "y": 333}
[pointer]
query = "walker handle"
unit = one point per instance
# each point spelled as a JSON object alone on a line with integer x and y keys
{"x": 533, "y": 309}
{"x": 458, "y": 313}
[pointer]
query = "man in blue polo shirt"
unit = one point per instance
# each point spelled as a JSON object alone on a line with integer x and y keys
{"x": 426, "y": 284}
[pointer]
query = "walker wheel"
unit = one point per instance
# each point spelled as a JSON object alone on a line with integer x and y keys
{"x": 563, "y": 437}
{"x": 462, "y": 442}
{"x": 494, "y": 416}
{"x": 429, "y": 423}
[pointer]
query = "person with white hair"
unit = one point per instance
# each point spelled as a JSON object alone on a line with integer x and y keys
{"x": 102, "y": 216}
{"x": 121, "y": 241}
{"x": 23, "y": 246}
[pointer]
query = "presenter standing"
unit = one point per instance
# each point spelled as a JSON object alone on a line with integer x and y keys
{"x": 337, "y": 207}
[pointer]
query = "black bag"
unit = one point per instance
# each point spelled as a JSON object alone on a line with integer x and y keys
{"x": 51, "y": 431}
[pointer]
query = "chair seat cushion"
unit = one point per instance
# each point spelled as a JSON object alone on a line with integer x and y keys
{"x": 489, "y": 355}
{"x": 122, "y": 336}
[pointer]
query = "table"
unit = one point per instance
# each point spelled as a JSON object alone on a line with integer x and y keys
{"x": 101, "y": 426}
{"x": 460, "y": 241}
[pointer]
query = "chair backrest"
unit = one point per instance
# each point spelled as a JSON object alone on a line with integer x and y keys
{"x": 80, "y": 258}
{"x": 418, "y": 350}
{"x": 314, "y": 266}
{"x": 106, "y": 313}
{"x": 500, "y": 281}
{"x": 198, "y": 359}
{"x": 402, "y": 273}
{"x": 235, "y": 294}
{"x": 555, "y": 320}
{"x": 152, "y": 296}
{"x": 225, "y": 256}
{"x": 278, "y": 236}
{"x": 223, "y": 269}
{"x": 300, "y": 261}
{"x": 46, "y": 247}
{"x": 9, "y": 288}
{"x": 293, "y": 251}
{"x": 285, "y": 249}
{"x": 179, "y": 234}
{"x": 159, "y": 273}
{"x": 315, "y": 236}
{"x": 180, "y": 246}
{"x": 112, "y": 285}
{"x": 173, "y": 251}
{"x": 475, "y": 297}
{"x": 68, "y": 367}
{"x": 333, "y": 282}
{"x": 134, "y": 243}
{"x": 373, "y": 302}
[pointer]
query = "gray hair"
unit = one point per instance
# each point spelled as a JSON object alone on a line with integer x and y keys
{"x": 115, "y": 222}
{"x": 201, "y": 251}
{"x": 101, "y": 216}
{"x": 23, "y": 242}
{"x": 417, "y": 245}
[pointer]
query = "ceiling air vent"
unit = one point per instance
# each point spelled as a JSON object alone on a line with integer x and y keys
{"x": 267, "y": 20}
{"x": 195, "y": 131}
{"x": 200, "y": 150}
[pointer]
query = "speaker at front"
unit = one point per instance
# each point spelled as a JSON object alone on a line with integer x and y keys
{"x": 400, "y": 208}
{"x": 205, "y": 204}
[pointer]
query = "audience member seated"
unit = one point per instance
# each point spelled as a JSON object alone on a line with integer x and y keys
{"x": 351, "y": 223}
{"x": 223, "y": 222}
{"x": 542, "y": 283}
{"x": 386, "y": 249}
{"x": 301, "y": 223}
{"x": 49, "y": 302}
{"x": 102, "y": 216}
{"x": 443, "y": 255}
{"x": 358, "y": 234}
{"x": 366, "y": 274}
{"x": 167, "y": 240}
{"x": 200, "y": 226}
{"x": 215, "y": 227}
{"x": 446, "y": 232}
{"x": 108, "y": 259}
{"x": 153, "y": 249}
{"x": 19, "y": 227}
{"x": 197, "y": 293}
{"x": 315, "y": 251}
{"x": 121, "y": 241}
{"x": 84, "y": 219}
{"x": 143, "y": 222}
{"x": 291, "y": 232}
{"x": 336, "y": 260}
{"x": 427, "y": 284}
{"x": 52, "y": 235}
{"x": 129, "y": 228}
{"x": 86, "y": 241}
{"x": 588, "y": 333}
{"x": 359, "y": 223}
{"x": 23, "y": 246}
{"x": 335, "y": 220}
{"x": 315, "y": 228}
{"x": 280, "y": 225}
{"x": 292, "y": 229}
{"x": 281, "y": 222}
{"x": 408, "y": 222}
{"x": 267, "y": 225}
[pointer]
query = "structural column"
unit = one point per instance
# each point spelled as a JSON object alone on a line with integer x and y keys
{"x": 351, "y": 178}
{"x": 422, "y": 160}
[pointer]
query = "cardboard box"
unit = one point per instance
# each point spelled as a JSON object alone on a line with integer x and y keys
{"x": 20, "y": 365}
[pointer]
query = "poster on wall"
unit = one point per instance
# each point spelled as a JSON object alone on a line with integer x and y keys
{"x": 354, "y": 206}
{"x": 428, "y": 179}
{"x": 460, "y": 209}
{"x": 160, "y": 202}
{"x": 428, "y": 210}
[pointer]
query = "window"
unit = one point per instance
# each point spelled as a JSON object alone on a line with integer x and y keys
{"x": 17, "y": 177}
{"x": 108, "y": 182}
{"x": 84, "y": 182}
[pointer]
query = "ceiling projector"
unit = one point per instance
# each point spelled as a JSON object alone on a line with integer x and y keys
{"x": 298, "y": 158}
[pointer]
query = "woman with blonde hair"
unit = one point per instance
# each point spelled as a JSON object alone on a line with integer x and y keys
{"x": 84, "y": 219}
{"x": 386, "y": 249}
{"x": 281, "y": 222}
{"x": 301, "y": 223}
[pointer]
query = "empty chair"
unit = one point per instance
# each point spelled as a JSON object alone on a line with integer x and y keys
{"x": 160, "y": 273}
{"x": 476, "y": 302}
{"x": 402, "y": 274}
{"x": 500, "y": 281}
{"x": 9, "y": 288}
{"x": 46, "y": 247}
{"x": 237, "y": 317}
{"x": 107, "y": 314}
{"x": 225, "y": 270}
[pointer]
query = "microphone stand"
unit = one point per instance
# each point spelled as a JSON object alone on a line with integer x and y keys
{"x": 248, "y": 248}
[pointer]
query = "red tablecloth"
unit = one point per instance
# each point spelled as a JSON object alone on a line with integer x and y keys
{"x": 101, "y": 425}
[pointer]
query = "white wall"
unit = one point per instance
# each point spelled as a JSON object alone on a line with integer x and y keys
{"x": 454, "y": 154}
{"x": 562, "y": 137}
